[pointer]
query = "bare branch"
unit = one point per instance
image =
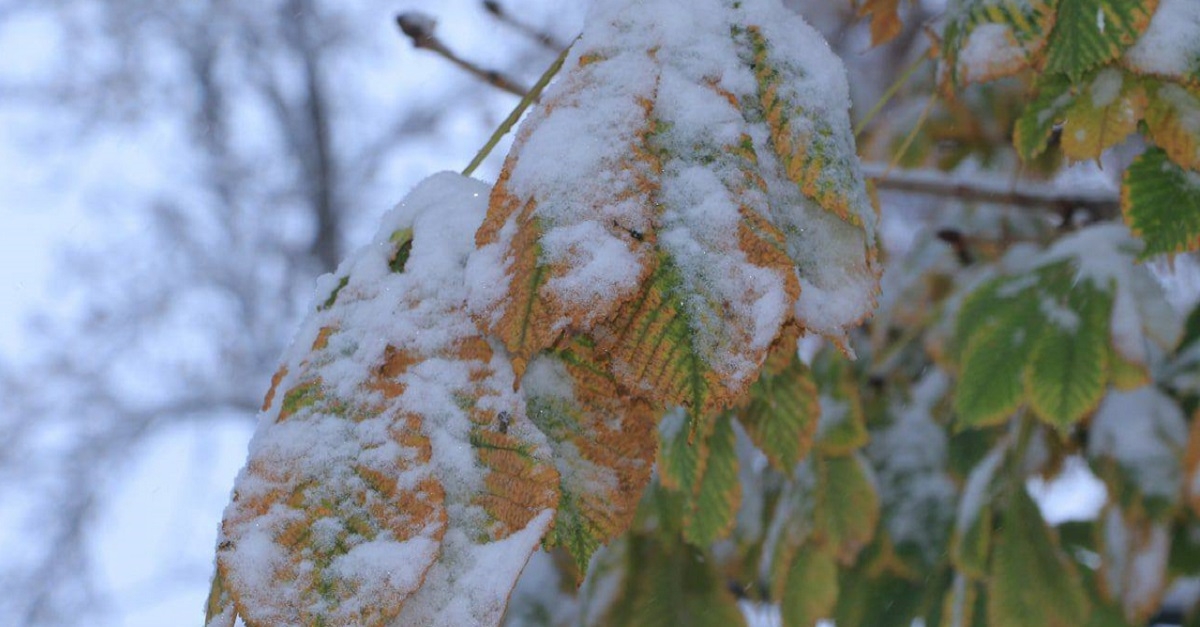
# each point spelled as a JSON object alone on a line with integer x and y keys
{"x": 1101, "y": 204}
{"x": 420, "y": 29}
{"x": 545, "y": 39}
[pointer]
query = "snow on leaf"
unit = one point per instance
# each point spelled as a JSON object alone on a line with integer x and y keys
{"x": 1133, "y": 570}
{"x": 1068, "y": 368}
{"x": 1032, "y": 582}
{"x": 669, "y": 240}
{"x": 1136, "y": 443}
{"x": 1089, "y": 33}
{"x": 1170, "y": 46}
{"x": 1106, "y": 111}
{"x": 603, "y": 447}
{"x": 810, "y": 590}
{"x": 988, "y": 39}
{"x": 1161, "y": 203}
{"x": 398, "y": 450}
{"x": 1047, "y": 334}
{"x": 783, "y": 410}
{"x": 1173, "y": 121}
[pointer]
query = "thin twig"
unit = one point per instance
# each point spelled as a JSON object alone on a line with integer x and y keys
{"x": 545, "y": 39}
{"x": 419, "y": 28}
{"x": 1102, "y": 204}
{"x": 511, "y": 121}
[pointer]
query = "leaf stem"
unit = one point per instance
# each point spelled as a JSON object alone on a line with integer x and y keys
{"x": 889, "y": 94}
{"x": 528, "y": 99}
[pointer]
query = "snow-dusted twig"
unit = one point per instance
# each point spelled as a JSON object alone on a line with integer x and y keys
{"x": 544, "y": 38}
{"x": 419, "y": 28}
{"x": 1100, "y": 203}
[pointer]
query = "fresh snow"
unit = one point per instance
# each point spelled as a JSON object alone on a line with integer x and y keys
{"x": 1171, "y": 44}
{"x": 1144, "y": 431}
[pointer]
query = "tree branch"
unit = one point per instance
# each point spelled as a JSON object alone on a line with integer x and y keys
{"x": 1102, "y": 204}
{"x": 419, "y": 28}
{"x": 545, "y": 39}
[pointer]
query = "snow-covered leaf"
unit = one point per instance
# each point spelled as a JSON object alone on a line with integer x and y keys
{"x": 392, "y": 456}
{"x": 1170, "y": 46}
{"x": 1136, "y": 443}
{"x": 1133, "y": 568}
{"x": 987, "y": 39}
{"x": 719, "y": 142}
{"x": 1173, "y": 121}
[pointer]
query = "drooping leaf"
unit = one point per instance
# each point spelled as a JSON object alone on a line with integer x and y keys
{"x": 1106, "y": 111}
{"x": 842, "y": 428}
{"x": 783, "y": 411}
{"x": 603, "y": 447}
{"x": 668, "y": 585}
{"x": 1089, "y": 33}
{"x": 715, "y": 499}
{"x": 846, "y": 505}
{"x": 973, "y": 535}
{"x": 1133, "y": 563}
{"x": 1031, "y": 581}
{"x": 1036, "y": 125}
{"x": 1069, "y": 365}
{"x": 1161, "y": 203}
{"x": 1170, "y": 46}
{"x": 811, "y": 590}
{"x": 1173, "y": 121}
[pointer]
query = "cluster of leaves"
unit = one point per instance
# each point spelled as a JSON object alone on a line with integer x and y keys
{"x": 602, "y": 356}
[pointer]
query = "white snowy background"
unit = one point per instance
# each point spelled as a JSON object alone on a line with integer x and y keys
{"x": 151, "y": 532}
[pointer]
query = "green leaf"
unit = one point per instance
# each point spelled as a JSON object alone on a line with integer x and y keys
{"x": 846, "y": 509}
{"x": 682, "y": 458}
{"x": 1161, "y": 203}
{"x": 714, "y": 503}
{"x": 1089, "y": 33}
{"x": 671, "y": 585}
{"x": 842, "y": 427}
{"x": 1068, "y": 368}
{"x": 1032, "y": 582}
{"x": 782, "y": 414}
{"x": 973, "y": 545}
{"x": 991, "y": 383}
{"x": 1036, "y": 124}
{"x": 1172, "y": 121}
{"x": 811, "y": 588}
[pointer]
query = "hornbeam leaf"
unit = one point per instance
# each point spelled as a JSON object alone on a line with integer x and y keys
{"x": 603, "y": 447}
{"x": 783, "y": 410}
{"x": 1068, "y": 367}
{"x": 989, "y": 39}
{"x": 1170, "y": 46}
{"x": 670, "y": 585}
{"x": 1089, "y": 33}
{"x": 1031, "y": 581}
{"x": 1106, "y": 111}
{"x": 811, "y": 590}
{"x": 399, "y": 454}
{"x": 842, "y": 428}
{"x": 1134, "y": 552}
{"x": 1173, "y": 121}
{"x": 1135, "y": 444}
{"x": 669, "y": 242}
{"x": 1037, "y": 122}
{"x": 716, "y": 496}
{"x": 846, "y": 508}
{"x": 1161, "y": 203}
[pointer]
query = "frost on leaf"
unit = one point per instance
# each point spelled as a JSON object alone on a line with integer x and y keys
{"x": 1044, "y": 336}
{"x": 717, "y": 181}
{"x": 603, "y": 447}
{"x": 392, "y": 446}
